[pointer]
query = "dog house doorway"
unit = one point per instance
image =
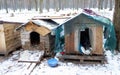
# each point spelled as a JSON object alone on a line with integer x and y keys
{"x": 85, "y": 38}
{"x": 34, "y": 39}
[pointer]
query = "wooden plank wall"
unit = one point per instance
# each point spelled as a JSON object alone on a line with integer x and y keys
{"x": 25, "y": 38}
{"x": 52, "y": 41}
{"x": 45, "y": 40}
{"x": 12, "y": 38}
{"x": 97, "y": 40}
{"x": 44, "y": 36}
{"x": 69, "y": 43}
{"x": 2, "y": 40}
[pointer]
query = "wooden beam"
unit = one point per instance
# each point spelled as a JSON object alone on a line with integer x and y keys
{"x": 50, "y": 17}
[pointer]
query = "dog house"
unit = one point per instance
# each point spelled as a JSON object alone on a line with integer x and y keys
{"x": 84, "y": 34}
{"x": 37, "y": 35}
{"x": 9, "y": 39}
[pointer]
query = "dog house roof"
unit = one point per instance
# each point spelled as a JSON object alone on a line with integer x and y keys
{"x": 51, "y": 24}
{"x": 48, "y": 23}
{"x": 45, "y": 26}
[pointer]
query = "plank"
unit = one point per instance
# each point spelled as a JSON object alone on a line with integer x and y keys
{"x": 83, "y": 57}
{"x": 31, "y": 56}
{"x": 32, "y": 67}
{"x": 97, "y": 40}
{"x": 90, "y": 59}
{"x": 51, "y": 17}
{"x": 32, "y": 64}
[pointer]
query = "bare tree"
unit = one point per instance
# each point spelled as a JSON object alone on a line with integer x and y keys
{"x": 55, "y": 4}
{"x": 36, "y": 5}
{"x": 59, "y": 4}
{"x": 47, "y": 5}
{"x": 111, "y": 4}
{"x": 13, "y": 5}
{"x": 41, "y": 4}
{"x": 6, "y": 5}
{"x": 0, "y": 4}
{"x": 105, "y": 4}
{"x": 29, "y": 4}
{"x": 77, "y": 4}
{"x": 117, "y": 22}
{"x": 100, "y": 4}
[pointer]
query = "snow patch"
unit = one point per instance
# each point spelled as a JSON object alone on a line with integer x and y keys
{"x": 31, "y": 55}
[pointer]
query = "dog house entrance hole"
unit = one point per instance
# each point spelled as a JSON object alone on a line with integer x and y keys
{"x": 34, "y": 38}
{"x": 85, "y": 38}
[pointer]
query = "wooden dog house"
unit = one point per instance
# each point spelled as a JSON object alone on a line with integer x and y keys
{"x": 9, "y": 39}
{"x": 84, "y": 34}
{"x": 82, "y": 30}
{"x": 37, "y": 35}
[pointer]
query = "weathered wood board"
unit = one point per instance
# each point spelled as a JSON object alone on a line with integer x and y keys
{"x": 84, "y": 59}
{"x": 28, "y": 55}
{"x": 10, "y": 40}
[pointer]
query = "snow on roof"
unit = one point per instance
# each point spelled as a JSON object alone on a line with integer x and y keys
{"x": 14, "y": 19}
{"x": 92, "y": 15}
{"x": 59, "y": 21}
{"x": 46, "y": 23}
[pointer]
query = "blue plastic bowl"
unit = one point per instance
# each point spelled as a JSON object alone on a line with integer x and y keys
{"x": 52, "y": 62}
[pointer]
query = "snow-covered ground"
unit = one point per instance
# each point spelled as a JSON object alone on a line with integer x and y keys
{"x": 31, "y": 55}
{"x": 25, "y": 15}
{"x": 11, "y": 66}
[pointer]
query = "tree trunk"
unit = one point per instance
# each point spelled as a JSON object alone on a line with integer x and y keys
{"x": 29, "y": 4}
{"x": 100, "y": 4}
{"x": 13, "y": 5}
{"x": 117, "y": 22}
{"x": 59, "y": 4}
{"x": 77, "y": 3}
{"x": 36, "y": 5}
{"x": 106, "y": 4}
{"x": 20, "y": 5}
{"x": 41, "y": 3}
{"x": 6, "y": 5}
{"x": 73, "y": 5}
{"x": 47, "y": 5}
{"x": 111, "y": 4}
{"x": 56, "y": 7}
